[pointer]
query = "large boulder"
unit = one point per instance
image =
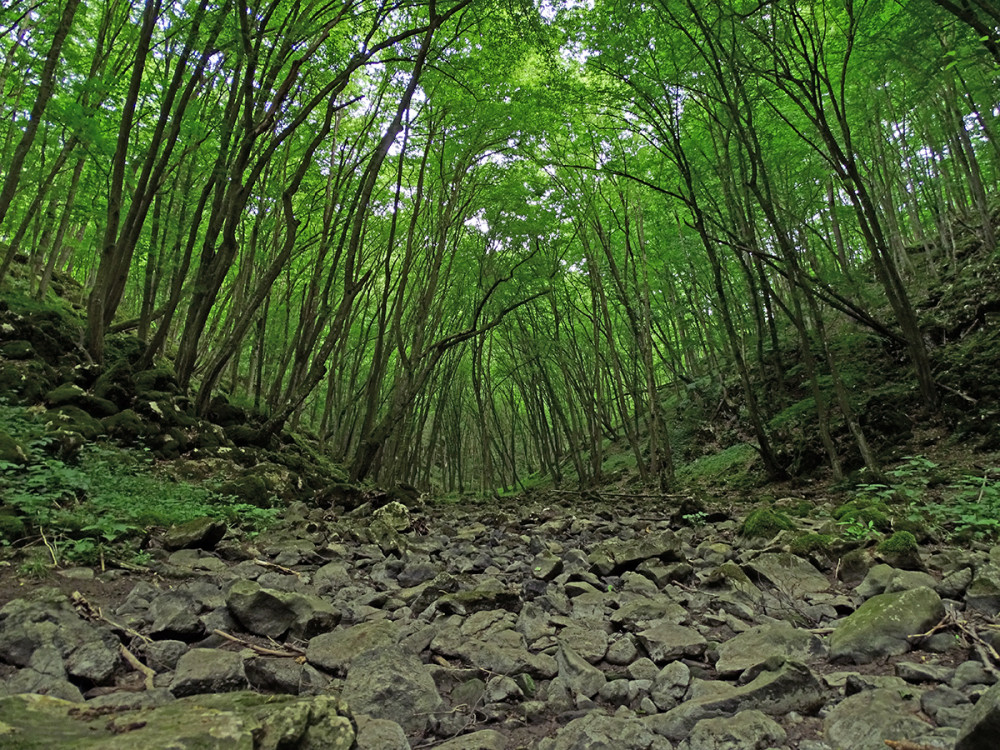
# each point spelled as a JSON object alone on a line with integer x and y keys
{"x": 882, "y": 626}
{"x": 760, "y": 643}
{"x": 747, "y": 730}
{"x": 865, "y": 720}
{"x": 234, "y": 721}
{"x": 274, "y": 613}
{"x": 981, "y": 730}
{"x": 388, "y": 683}
{"x": 597, "y": 730}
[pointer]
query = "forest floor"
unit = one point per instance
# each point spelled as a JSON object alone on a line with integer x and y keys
{"x": 549, "y": 621}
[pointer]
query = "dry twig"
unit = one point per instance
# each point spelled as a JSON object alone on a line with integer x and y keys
{"x": 138, "y": 666}
{"x": 286, "y": 651}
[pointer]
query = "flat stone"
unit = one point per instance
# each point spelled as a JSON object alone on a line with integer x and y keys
{"x": 790, "y": 574}
{"x": 335, "y": 651}
{"x": 208, "y": 670}
{"x": 982, "y": 728}
{"x": 666, "y": 641}
{"x": 762, "y": 642}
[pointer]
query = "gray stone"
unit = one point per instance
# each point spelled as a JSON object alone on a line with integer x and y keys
{"x": 484, "y": 739}
{"x": 666, "y": 641}
{"x": 597, "y": 731}
{"x": 983, "y": 594}
{"x": 335, "y": 651}
{"x": 388, "y": 683}
{"x": 865, "y": 720}
{"x": 503, "y": 689}
{"x": 164, "y": 655}
{"x": 393, "y": 514}
{"x": 546, "y": 566}
{"x": 587, "y": 638}
{"x": 380, "y": 734}
{"x": 208, "y": 670}
{"x": 747, "y": 730}
{"x": 921, "y": 672}
{"x": 762, "y": 642}
{"x": 982, "y": 728}
{"x": 273, "y": 613}
{"x": 614, "y": 556}
{"x": 788, "y": 687}
{"x": 578, "y": 674}
{"x": 882, "y": 625}
{"x": 971, "y": 673}
{"x": 200, "y": 533}
{"x": 790, "y": 574}
{"x": 955, "y": 584}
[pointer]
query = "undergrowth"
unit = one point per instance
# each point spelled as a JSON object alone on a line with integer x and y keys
{"x": 103, "y": 498}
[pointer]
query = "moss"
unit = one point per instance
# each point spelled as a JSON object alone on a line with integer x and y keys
{"x": 808, "y": 543}
{"x": 900, "y": 542}
{"x": 865, "y": 511}
{"x": 765, "y": 522}
{"x": 11, "y": 526}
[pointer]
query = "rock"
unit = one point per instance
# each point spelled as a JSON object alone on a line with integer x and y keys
{"x": 876, "y": 581}
{"x": 666, "y": 641}
{"x": 46, "y": 619}
{"x": 786, "y": 687}
{"x": 983, "y": 594}
{"x": 489, "y": 595}
{"x": 208, "y": 670}
{"x": 485, "y": 739}
{"x": 234, "y": 721}
{"x": 11, "y": 452}
{"x": 981, "y": 729}
{"x": 762, "y": 642}
{"x": 790, "y": 574}
{"x": 577, "y": 673}
{"x": 387, "y": 683}
{"x": 175, "y": 616}
{"x": 614, "y": 556}
{"x": 380, "y": 734}
{"x": 865, "y": 720}
{"x": 273, "y": 613}
{"x": 286, "y": 676}
{"x": 904, "y": 580}
{"x": 199, "y": 533}
{"x": 587, "y": 638}
{"x": 393, "y": 514}
{"x": 597, "y": 730}
{"x": 335, "y": 651}
{"x": 882, "y": 625}
{"x": 669, "y": 685}
{"x": 546, "y": 566}
{"x": 747, "y": 730}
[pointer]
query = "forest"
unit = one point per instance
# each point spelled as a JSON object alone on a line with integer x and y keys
{"x": 472, "y": 243}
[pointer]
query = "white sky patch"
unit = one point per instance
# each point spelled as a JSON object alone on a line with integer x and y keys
{"x": 478, "y": 222}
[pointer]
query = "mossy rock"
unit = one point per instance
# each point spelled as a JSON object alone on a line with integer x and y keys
{"x": 850, "y": 508}
{"x": 115, "y": 384}
{"x": 126, "y": 426}
{"x": 153, "y": 383}
{"x": 28, "y": 381}
{"x": 854, "y": 566}
{"x": 765, "y": 523}
{"x": 19, "y": 349}
{"x": 11, "y": 451}
{"x": 69, "y": 394}
{"x": 807, "y": 544}
{"x": 901, "y": 551}
{"x": 224, "y": 413}
{"x": 75, "y": 419}
{"x": 250, "y": 489}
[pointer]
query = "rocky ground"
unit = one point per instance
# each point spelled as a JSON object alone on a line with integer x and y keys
{"x": 554, "y": 623}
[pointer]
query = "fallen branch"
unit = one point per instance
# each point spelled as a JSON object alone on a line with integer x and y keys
{"x": 88, "y": 611}
{"x": 138, "y": 666}
{"x": 282, "y": 568}
{"x": 286, "y": 652}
